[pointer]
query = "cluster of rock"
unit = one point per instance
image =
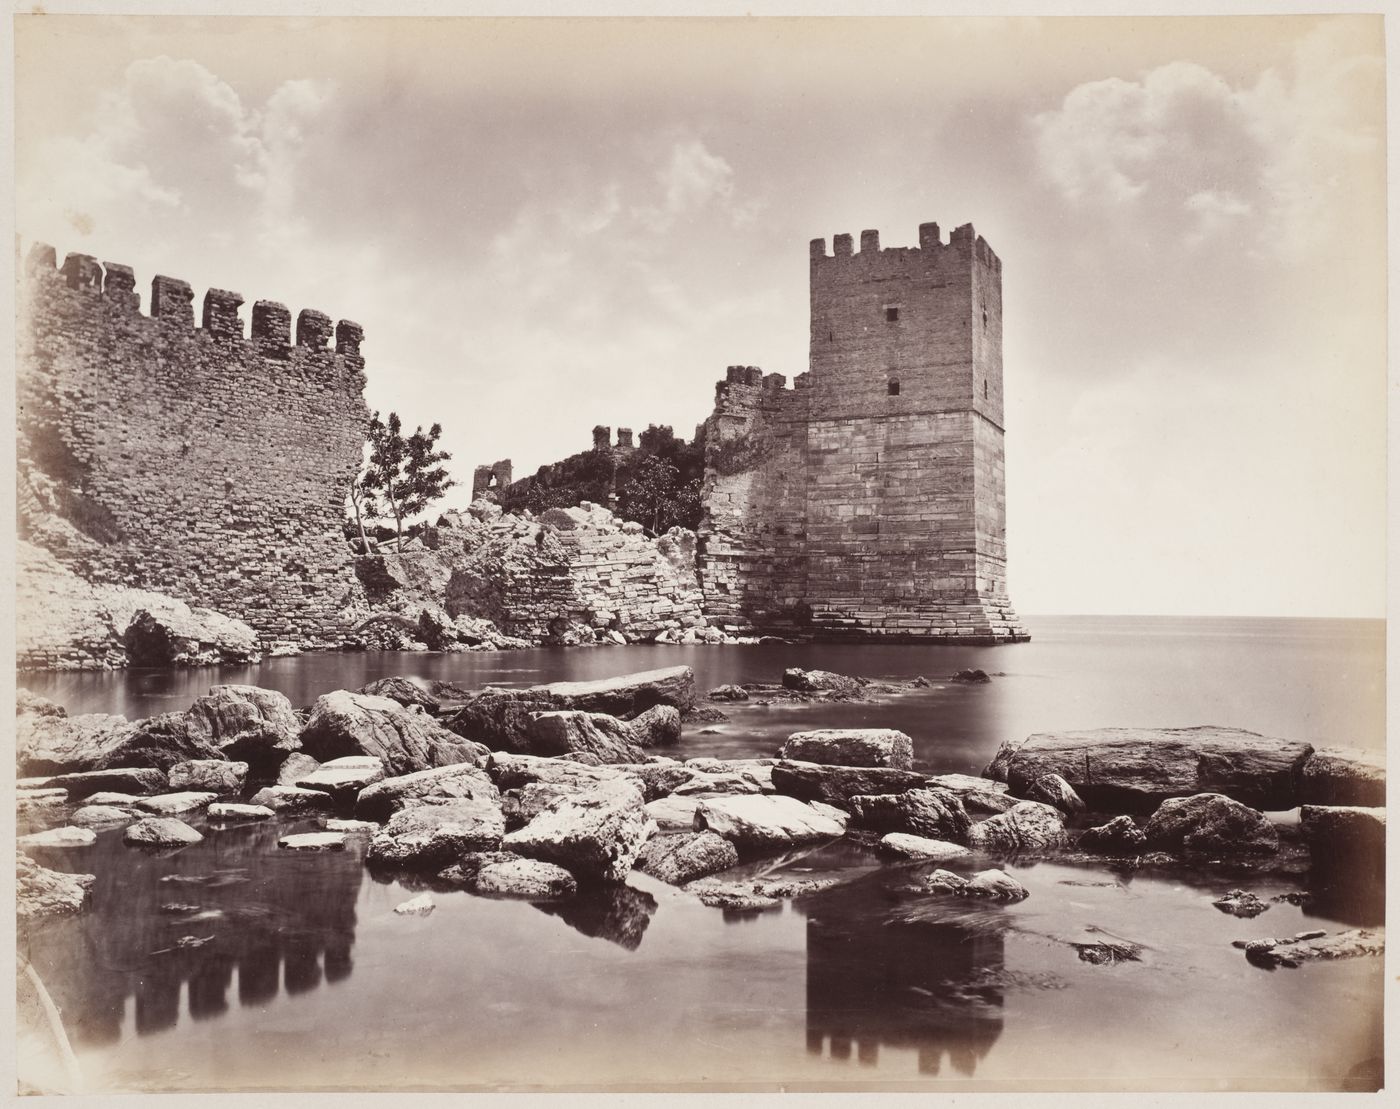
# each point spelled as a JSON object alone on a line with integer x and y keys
{"x": 64, "y": 622}
{"x": 569, "y": 576}
{"x": 552, "y": 791}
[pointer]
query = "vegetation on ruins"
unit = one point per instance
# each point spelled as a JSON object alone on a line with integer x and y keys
{"x": 657, "y": 484}
{"x": 402, "y": 477}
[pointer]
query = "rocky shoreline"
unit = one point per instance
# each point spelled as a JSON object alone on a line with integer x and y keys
{"x": 558, "y": 792}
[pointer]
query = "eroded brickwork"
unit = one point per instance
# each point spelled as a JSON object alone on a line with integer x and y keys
{"x": 195, "y": 461}
{"x": 870, "y": 501}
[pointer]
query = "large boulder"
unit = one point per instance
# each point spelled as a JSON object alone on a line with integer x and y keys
{"x": 979, "y": 795}
{"x": 593, "y": 833}
{"x": 992, "y": 885}
{"x": 56, "y": 838}
{"x": 140, "y": 780}
{"x": 851, "y": 747}
{"x": 158, "y": 741}
{"x": 1345, "y": 837}
{"x": 465, "y": 781}
{"x": 766, "y": 821}
{"x": 49, "y": 744}
{"x": 590, "y": 733}
{"x": 102, "y": 816}
{"x": 213, "y": 775}
{"x": 659, "y": 726}
{"x": 1027, "y": 826}
{"x": 178, "y": 635}
{"x": 659, "y": 779}
{"x": 836, "y": 785}
{"x": 1120, "y": 836}
{"x": 674, "y": 813}
{"x": 1136, "y": 769}
{"x": 1052, "y": 790}
{"x": 246, "y": 723}
{"x": 1210, "y": 822}
{"x": 344, "y": 723}
{"x": 40, "y": 892}
{"x": 431, "y": 837}
{"x": 405, "y": 691}
{"x": 933, "y": 813}
{"x": 819, "y": 681}
{"x": 1340, "y": 776}
{"x": 678, "y": 859}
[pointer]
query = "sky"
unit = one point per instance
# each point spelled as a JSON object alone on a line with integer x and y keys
{"x": 549, "y": 224}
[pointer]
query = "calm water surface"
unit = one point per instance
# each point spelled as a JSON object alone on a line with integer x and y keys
{"x": 303, "y": 977}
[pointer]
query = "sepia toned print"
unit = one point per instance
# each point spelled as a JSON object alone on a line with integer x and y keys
{"x": 695, "y": 743}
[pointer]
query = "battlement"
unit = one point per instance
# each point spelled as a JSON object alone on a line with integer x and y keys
{"x": 172, "y": 304}
{"x": 963, "y": 243}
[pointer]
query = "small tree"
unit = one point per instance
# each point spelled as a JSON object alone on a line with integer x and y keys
{"x": 407, "y": 472}
{"x": 651, "y": 494}
{"x": 364, "y": 500}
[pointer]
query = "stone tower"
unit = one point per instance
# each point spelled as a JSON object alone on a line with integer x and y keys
{"x": 870, "y": 501}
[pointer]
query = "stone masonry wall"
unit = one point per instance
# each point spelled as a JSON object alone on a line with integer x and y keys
{"x": 196, "y": 461}
{"x": 875, "y": 506}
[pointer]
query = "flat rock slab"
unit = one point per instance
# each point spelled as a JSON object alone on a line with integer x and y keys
{"x": 56, "y": 794}
{"x": 234, "y": 812}
{"x": 1307, "y": 947}
{"x": 529, "y": 879}
{"x": 345, "y": 776}
{"x": 160, "y": 831}
{"x": 313, "y": 841}
{"x": 758, "y": 821}
{"x": 465, "y": 781}
{"x": 430, "y": 837}
{"x": 102, "y": 816}
{"x": 172, "y": 804}
{"x": 883, "y": 747}
{"x": 673, "y": 814}
{"x": 60, "y": 837}
{"x": 351, "y": 826}
{"x": 40, "y": 892}
{"x": 627, "y": 693}
{"x": 836, "y": 785}
{"x": 1343, "y": 776}
{"x": 905, "y": 846}
{"x": 121, "y": 800}
{"x": 1135, "y": 769}
{"x": 293, "y": 799}
{"x": 421, "y": 905}
{"x": 141, "y": 780}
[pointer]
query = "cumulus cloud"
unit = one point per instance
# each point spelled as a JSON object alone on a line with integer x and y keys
{"x": 175, "y": 143}
{"x": 1181, "y": 145}
{"x": 693, "y": 180}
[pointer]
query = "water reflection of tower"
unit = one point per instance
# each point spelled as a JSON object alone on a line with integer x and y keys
{"x": 279, "y": 921}
{"x": 878, "y": 974}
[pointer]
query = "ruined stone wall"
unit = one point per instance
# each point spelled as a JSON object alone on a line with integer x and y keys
{"x": 891, "y": 470}
{"x": 196, "y": 461}
{"x": 754, "y": 545}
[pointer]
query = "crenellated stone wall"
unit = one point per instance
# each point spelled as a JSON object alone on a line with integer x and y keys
{"x": 199, "y": 462}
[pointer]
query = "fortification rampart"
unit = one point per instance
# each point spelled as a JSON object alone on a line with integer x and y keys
{"x": 870, "y": 500}
{"x": 200, "y": 462}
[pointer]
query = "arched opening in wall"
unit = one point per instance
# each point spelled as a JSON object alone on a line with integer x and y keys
{"x": 894, "y": 387}
{"x": 493, "y": 483}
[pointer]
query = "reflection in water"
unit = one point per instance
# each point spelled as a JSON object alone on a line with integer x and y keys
{"x": 921, "y": 981}
{"x": 186, "y": 924}
{"x": 617, "y": 913}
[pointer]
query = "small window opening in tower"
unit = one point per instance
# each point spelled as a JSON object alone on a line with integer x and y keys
{"x": 985, "y": 394}
{"x": 984, "y": 317}
{"x": 891, "y": 313}
{"x": 492, "y": 483}
{"x": 831, "y": 336}
{"x": 894, "y": 388}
